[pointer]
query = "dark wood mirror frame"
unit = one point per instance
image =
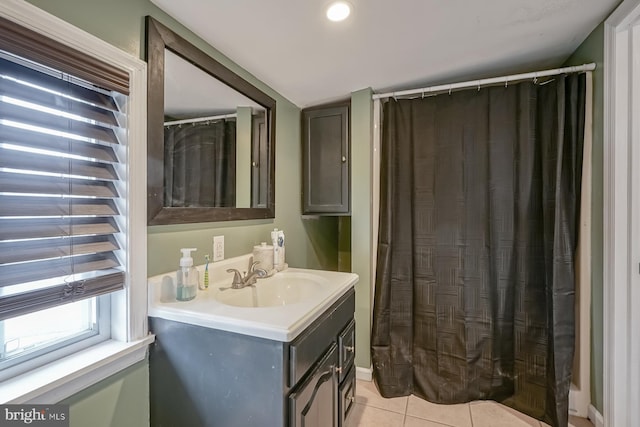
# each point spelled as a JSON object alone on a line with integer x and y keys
{"x": 159, "y": 37}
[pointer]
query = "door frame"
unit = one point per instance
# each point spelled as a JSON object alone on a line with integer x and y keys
{"x": 621, "y": 252}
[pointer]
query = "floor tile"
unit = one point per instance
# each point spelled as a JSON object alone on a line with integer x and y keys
{"x": 419, "y": 422}
{"x": 453, "y": 415}
{"x": 579, "y": 422}
{"x": 574, "y": 422}
{"x": 489, "y": 413}
{"x": 369, "y": 416}
{"x": 367, "y": 394}
{"x": 373, "y": 410}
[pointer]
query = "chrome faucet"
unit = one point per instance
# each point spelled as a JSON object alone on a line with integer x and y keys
{"x": 250, "y": 277}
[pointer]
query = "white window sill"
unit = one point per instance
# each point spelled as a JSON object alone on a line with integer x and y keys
{"x": 60, "y": 379}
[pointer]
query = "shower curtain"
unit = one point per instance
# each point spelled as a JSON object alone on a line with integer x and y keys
{"x": 479, "y": 201}
{"x": 200, "y": 164}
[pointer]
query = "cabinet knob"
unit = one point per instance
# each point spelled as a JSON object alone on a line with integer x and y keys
{"x": 254, "y": 164}
{"x": 349, "y": 348}
{"x": 338, "y": 370}
{"x": 350, "y": 397}
{"x": 344, "y": 159}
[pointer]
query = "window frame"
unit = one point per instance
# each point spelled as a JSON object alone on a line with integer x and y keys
{"x": 64, "y": 347}
{"x": 130, "y": 338}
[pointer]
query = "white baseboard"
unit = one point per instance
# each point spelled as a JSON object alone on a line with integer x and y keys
{"x": 364, "y": 374}
{"x": 579, "y": 401}
{"x": 596, "y": 417}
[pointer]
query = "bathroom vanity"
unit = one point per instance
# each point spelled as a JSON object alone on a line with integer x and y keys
{"x": 280, "y": 355}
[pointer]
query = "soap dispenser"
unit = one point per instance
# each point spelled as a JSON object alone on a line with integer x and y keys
{"x": 188, "y": 277}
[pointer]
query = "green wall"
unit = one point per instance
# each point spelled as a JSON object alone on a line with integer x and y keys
{"x": 361, "y": 179}
{"x": 121, "y": 23}
{"x": 592, "y": 50}
{"x": 311, "y": 243}
{"x": 305, "y": 241}
{"x": 122, "y": 400}
{"x": 125, "y": 396}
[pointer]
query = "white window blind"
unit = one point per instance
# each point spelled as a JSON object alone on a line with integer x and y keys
{"x": 61, "y": 207}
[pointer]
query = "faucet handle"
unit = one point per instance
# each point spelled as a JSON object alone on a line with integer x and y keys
{"x": 252, "y": 264}
{"x": 237, "y": 277}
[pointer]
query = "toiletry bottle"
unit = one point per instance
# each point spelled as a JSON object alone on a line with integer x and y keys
{"x": 264, "y": 255}
{"x": 188, "y": 277}
{"x": 276, "y": 250}
{"x": 281, "y": 260}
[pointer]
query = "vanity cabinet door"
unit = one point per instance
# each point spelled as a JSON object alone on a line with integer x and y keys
{"x": 314, "y": 402}
{"x": 326, "y": 161}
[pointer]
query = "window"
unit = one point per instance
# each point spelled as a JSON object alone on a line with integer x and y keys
{"x": 34, "y": 336}
{"x": 72, "y": 211}
{"x": 62, "y": 146}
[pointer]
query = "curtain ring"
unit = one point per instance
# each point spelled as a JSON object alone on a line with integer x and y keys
{"x": 506, "y": 83}
{"x": 535, "y": 78}
{"x": 478, "y": 85}
{"x": 449, "y": 89}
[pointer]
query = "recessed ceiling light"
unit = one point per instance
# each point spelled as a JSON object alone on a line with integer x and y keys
{"x": 338, "y": 11}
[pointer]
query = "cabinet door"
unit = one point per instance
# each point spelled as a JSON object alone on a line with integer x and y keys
{"x": 314, "y": 403}
{"x": 326, "y": 161}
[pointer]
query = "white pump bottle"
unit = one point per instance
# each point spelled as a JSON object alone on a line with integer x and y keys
{"x": 188, "y": 277}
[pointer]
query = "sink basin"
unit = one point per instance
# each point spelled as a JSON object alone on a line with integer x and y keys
{"x": 278, "y": 290}
{"x": 276, "y": 308}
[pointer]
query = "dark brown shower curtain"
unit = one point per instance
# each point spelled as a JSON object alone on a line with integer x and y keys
{"x": 200, "y": 164}
{"x": 480, "y": 192}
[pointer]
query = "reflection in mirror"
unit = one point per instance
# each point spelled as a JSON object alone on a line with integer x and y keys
{"x": 211, "y": 138}
{"x": 212, "y": 141}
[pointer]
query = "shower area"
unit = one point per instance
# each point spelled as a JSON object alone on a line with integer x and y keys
{"x": 482, "y": 278}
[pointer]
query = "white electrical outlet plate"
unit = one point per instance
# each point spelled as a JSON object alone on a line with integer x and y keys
{"x": 218, "y": 248}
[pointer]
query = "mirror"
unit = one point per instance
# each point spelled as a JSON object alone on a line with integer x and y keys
{"x": 211, "y": 137}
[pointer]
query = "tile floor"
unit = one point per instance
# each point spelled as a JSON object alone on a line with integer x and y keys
{"x": 373, "y": 410}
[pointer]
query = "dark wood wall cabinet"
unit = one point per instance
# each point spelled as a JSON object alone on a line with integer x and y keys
{"x": 326, "y": 160}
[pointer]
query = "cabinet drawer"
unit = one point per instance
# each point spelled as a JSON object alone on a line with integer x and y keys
{"x": 346, "y": 349}
{"x": 305, "y": 350}
{"x": 347, "y": 398}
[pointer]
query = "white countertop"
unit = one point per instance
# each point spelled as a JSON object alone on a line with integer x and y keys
{"x": 280, "y": 323}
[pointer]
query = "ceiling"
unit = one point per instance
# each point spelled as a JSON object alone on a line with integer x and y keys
{"x": 385, "y": 44}
{"x": 190, "y": 92}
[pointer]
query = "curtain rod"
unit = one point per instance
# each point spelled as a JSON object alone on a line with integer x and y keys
{"x": 200, "y": 119}
{"x": 486, "y": 82}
